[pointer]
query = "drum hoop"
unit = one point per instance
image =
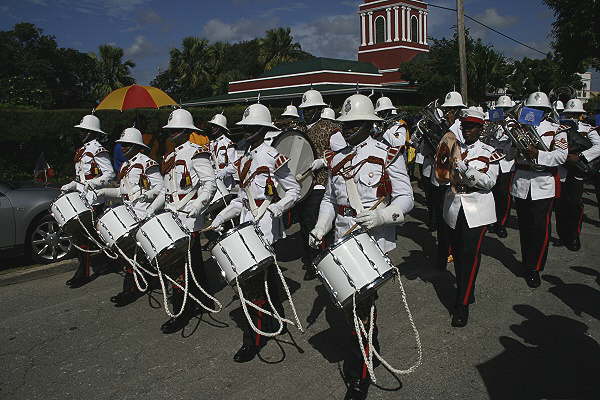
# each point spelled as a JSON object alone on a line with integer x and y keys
{"x": 231, "y": 232}
{"x": 337, "y": 244}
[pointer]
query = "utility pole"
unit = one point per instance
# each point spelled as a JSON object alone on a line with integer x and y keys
{"x": 462, "y": 50}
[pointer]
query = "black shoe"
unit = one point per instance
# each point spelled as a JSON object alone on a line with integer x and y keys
{"x": 533, "y": 279}
{"x": 460, "y": 318}
{"x": 357, "y": 389}
{"x": 174, "y": 325}
{"x": 501, "y": 232}
{"x": 310, "y": 274}
{"x": 492, "y": 228}
{"x": 126, "y": 298}
{"x": 78, "y": 282}
{"x": 245, "y": 353}
{"x": 558, "y": 243}
{"x": 575, "y": 245}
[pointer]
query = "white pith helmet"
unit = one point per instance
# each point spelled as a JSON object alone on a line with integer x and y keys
{"x": 453, "y": 99}
{"x": 558, "y": 105}
{"x": 132, "y": 136}
{"x": 312, "y": 98}
{"x": 180, "y": 119}
{"x": 91, "y": 123}
{"x": 328, "y": 113}
{"x": 384, "y": 104}
{"x": 538, "y": 99}
{"x": 219, "y": 120}
{"x": 291, "y": 111}
{"x": 257, "y": 115}
{"x": 574, "y": 106}
{"x": 358, "y": 107}
{"x": 504, "y": 102}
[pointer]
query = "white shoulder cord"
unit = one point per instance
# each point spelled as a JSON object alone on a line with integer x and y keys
{"x": 360, "y": 330}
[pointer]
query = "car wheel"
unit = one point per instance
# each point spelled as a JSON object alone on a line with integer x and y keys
{"x": 47, "y": 242}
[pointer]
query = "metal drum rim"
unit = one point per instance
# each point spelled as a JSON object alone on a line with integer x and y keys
{"x": 336, "y": 244}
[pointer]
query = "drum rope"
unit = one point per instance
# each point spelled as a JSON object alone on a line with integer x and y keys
{"x": 164, "y": 290}
{"x": 244, "y": 304}
{"x": 137, "y": 269}
{"x": 101, "y": 247}
{"x": 204, "y": 292}
{"x": 289, "y": 296}
{"x": 360, "y": 330}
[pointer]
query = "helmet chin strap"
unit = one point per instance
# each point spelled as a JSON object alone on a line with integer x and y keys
{"x": 89, "y": 136}
{"x": 257, "y": 135}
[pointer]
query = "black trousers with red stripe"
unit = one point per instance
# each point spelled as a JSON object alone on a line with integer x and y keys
{"x": 466, "y": 246}
{"x": 502, "y": 197}
{"x": 428, "y": 190}
{"x": 443, "y": 230}
{"x": 354, "y": 364}
{"x": 254, "y": 290}
{"x": 535, "y": 229}
{"x": 308, "y": 212}
{"x": 569, "y": 209}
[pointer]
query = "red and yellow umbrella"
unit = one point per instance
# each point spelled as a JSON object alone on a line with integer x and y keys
{"x": 135, "y": 96}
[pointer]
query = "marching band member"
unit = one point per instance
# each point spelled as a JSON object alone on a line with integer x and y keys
{"x": 222, "y": 149}
{"x": 189, "y": 186}
{"x": 535, "y": 190}
{"x": 469, "y": 208}
{"x": 503, "y": 144}
{"x": 569, "y": 215}
{"x": 318, "y": 132}
{"x": 140, "y": 182}
{"x": 452, "y": 107}
{"x": 258, "y": 170}
{"x": 291, "y": 113}
{"x": 396, "y": 134}
{"x": 93, "y": 170}
{"x": 359, "y": 176}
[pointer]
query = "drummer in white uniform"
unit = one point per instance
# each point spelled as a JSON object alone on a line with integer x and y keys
{"x": 469, "y": 208}
{"x": 396, "y": 133}
{"x": 359, "y": 176}
{"x": 140, "y": 182}
{"x": 93, "y": 170}
{"x": 222, "y": 149}
{"x": 259, "y": 169}
{"x": 189, "y": 186}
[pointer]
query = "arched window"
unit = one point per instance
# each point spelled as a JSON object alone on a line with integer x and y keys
{"x": 414, "y": 29}
{"x": 380, "y": 29}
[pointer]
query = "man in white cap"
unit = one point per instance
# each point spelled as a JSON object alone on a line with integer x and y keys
{"x": 469, "y": 209}
{"x": 259, "y": 169}
{"x": 584, "y": 148}
{"x": 360, "y": 175}
{"x": 189, "y": 186}
{"x": 93, "y": 170}
{"x": 502, "y": 142}
{"x": 222, "y": 149}
{"x": 318, "y": 132}
{"x": 535, "y": 186}
{"x": 140, "y": 182}
{"x": 452, "y": 108}
{"x": 395, "y": 133}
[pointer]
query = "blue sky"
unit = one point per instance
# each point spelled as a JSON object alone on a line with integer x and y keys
{"x": 147, "y": 29}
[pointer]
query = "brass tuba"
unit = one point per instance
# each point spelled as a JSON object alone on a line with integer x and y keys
{"x": 431, "y": 127}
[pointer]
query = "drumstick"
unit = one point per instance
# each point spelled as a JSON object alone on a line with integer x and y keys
{"x": 374, "y": 206}
{"x": 302, "y": 176}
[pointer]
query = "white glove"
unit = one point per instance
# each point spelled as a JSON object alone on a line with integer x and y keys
{"x": 318, "y": 164}
{"x": 69, "y": 187}
{"x": 112, "y": 193}
{"x": 196, "y": 208}
{"x": 276, "y": 210}
{"x": 149, "y": 212}
{"x": 217, "y": 224}
{"x": 142, "y": 199}
{"x": 315, "y": 237}
{"x": 383, "y": 216}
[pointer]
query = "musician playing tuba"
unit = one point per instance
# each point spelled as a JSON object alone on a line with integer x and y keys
{"x": 535, "y": 186}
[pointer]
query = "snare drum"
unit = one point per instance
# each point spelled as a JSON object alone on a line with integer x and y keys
{"x": 220, "y": 200}
{"x": 68, "y": 209}
{"x": 117, "y": 226}
{"x": 163, "y": 239}
{"x": 242, "y": 253}
{"x": 354, "y": 263}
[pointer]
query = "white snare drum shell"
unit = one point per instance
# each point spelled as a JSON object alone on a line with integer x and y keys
{"x": 159, "y": 233}
{"x": 116, "y": 223}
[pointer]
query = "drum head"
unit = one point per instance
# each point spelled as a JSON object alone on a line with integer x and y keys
{"x": 295, "y": 146}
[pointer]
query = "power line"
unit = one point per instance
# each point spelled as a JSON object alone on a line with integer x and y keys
{"x": 490, "y": 28}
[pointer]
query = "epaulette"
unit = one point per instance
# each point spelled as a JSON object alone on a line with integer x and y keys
{"x": 549, "y": 133}
{"x": 562, "y": 144}
{"x": 201, "y": 149}
{"x": 392, "y": 154}
{"x": 496, "y": 156}
{"x": 280, "y": 161}
{"x": 150, "y": 163}
{"x": 100, "y": 150}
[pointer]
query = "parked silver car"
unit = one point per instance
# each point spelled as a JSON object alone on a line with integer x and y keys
{"x": 27, "y": 225}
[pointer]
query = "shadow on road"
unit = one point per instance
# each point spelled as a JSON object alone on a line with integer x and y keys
{"x": 495, "y": 248}
{"x": 555, "y": 358}
{"x": 578, "y": 297}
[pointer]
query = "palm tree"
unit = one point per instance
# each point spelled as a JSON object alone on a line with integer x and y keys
{"x": 278, "y": 46}
{"x": 113, "y": 72}
{"x": 191, "y": 66}
{"x": 487, "y": 69}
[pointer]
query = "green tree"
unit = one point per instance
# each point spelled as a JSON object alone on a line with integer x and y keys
{"x": 576, "y": 33}
{"x": 278, "y": 46}
{"x": 112, "y": 71}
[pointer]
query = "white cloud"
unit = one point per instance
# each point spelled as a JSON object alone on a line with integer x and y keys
{"x": 492, "y": 18}
{"x": 216, "y": 30}
{"x": 112, "y": 8}
{"x": 336, "y": 36}
{"x": 140, "y": 48}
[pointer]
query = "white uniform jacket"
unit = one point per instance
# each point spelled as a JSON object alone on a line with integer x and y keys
{"x": 541, "y": 185}
{"x": 395, "y": 135}
{"x": 457, "y": 130}
{"x": 223, "y": 155}
{"x": 590, "y": 154}
{"x": 92, "y": 168}
{"x": 140, "y": 176}
{"x": 503, "y": 144}
{"x": 367, "y": 165}
{"x": 474, "y": 194}
{"x": 258, "y": 170}
{"x": 188, "y": 176}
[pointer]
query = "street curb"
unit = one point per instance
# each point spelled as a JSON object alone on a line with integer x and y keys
{"x": 19, "y": 275}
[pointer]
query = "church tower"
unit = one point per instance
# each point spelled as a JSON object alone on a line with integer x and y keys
{"x": 392, "y": 32}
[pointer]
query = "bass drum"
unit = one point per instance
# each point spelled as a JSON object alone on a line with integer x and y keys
{"x": 296, "y": 146}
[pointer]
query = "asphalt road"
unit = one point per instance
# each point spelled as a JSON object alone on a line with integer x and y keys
{"x": 60, "y": 343}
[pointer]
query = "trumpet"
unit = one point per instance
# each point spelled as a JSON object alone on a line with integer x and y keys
{"x": 523, "y": 136}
